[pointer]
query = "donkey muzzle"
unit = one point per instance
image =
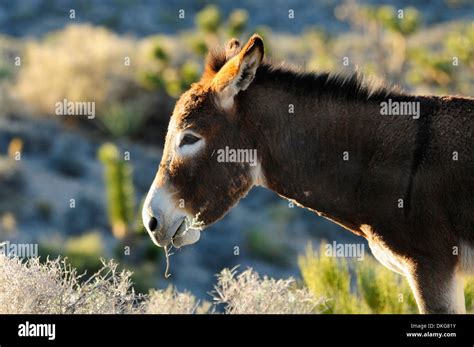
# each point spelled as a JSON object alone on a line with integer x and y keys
{"x": 165, "y": 222}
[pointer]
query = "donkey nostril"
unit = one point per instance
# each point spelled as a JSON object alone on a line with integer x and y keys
{"x": 152, "y": 224}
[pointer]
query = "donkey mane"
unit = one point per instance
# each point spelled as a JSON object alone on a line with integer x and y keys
{"x": 348, "y": 86}
{"x": 216, "y": 59}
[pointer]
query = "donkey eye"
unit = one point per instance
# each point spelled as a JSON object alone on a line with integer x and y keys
{"x": 188, "y": 139}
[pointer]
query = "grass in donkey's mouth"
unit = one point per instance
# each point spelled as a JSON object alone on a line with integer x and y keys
{"x": 167, "y": 255}
{"x": 194, "y": 224}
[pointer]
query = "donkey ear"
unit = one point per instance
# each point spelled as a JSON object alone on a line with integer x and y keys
{"x": 238, "y": 72}
{"x": 232, "y": 48}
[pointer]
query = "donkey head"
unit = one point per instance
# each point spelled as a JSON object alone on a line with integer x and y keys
{"x": 191, "y": 185}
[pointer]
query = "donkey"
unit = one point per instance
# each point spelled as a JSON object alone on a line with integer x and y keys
{"x": 403, "y": 181}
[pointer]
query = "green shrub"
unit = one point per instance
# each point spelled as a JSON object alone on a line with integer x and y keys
{"x": 209, "y": 19}
{"x": 460, "y": 43}
{"x": 469, "y": 294}
{"x": 388, "y": 17}
{"x": 432, "y": 69}
{"x": 157, "y": 73}
{"x": 189, "y": 73}
{"x": 237, "y": 22}
{"x": 384, "y": 291}
{"x": 376, "y": 290}
{"x": 198, "y": 45}
{"x": 328, "y": 277}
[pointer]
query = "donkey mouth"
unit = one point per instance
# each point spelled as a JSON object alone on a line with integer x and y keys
{"x": 181, "y": 229}
{"x": 185, "y": 234}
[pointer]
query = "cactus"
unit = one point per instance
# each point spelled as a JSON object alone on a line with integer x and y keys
{"x": 120, "y": 192}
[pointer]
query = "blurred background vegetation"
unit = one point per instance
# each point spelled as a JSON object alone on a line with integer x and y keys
{"x": 76, "y": 185}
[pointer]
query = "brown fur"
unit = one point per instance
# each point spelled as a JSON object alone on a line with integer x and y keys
{"x": 301, "y": 156}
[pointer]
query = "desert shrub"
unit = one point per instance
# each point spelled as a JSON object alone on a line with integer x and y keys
{"x": 55, "y": 287}
{"x": 154, "y": 59}
{"x": 330, "y": 277}
{"x": 237, "y": 22}
{"x": 404, "y": 23}
{"x": 429, "y": 68}
{"x": 158, "y": 73}
{"x": 209, "y": 19}
{"x": 460, "y": 43}
{"x": 384, "y": 291}
{"x": 448, "y": 68}
{"x": 469, "y": 294}
{"x": 84, "y": 63}
{"x": 198, "y": 45}
{"x": 79, "y": 63}
{"x": 319, "y": 46}
{"x": 247, "y": 292}
{"x": 376, "y": 289}
{"x": 171, "y": 301}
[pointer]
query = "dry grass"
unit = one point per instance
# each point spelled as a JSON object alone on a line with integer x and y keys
{"x": 54, "y": 287}
{"x": 247, "y": 292}
{"x": 171, "y": 301}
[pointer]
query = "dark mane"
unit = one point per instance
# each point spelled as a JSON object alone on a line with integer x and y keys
{"x": 216, "y": 59}
{"x": 351, "y": 86}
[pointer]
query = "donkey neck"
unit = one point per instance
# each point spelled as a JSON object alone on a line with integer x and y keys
{"x": 316, "y": 145}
